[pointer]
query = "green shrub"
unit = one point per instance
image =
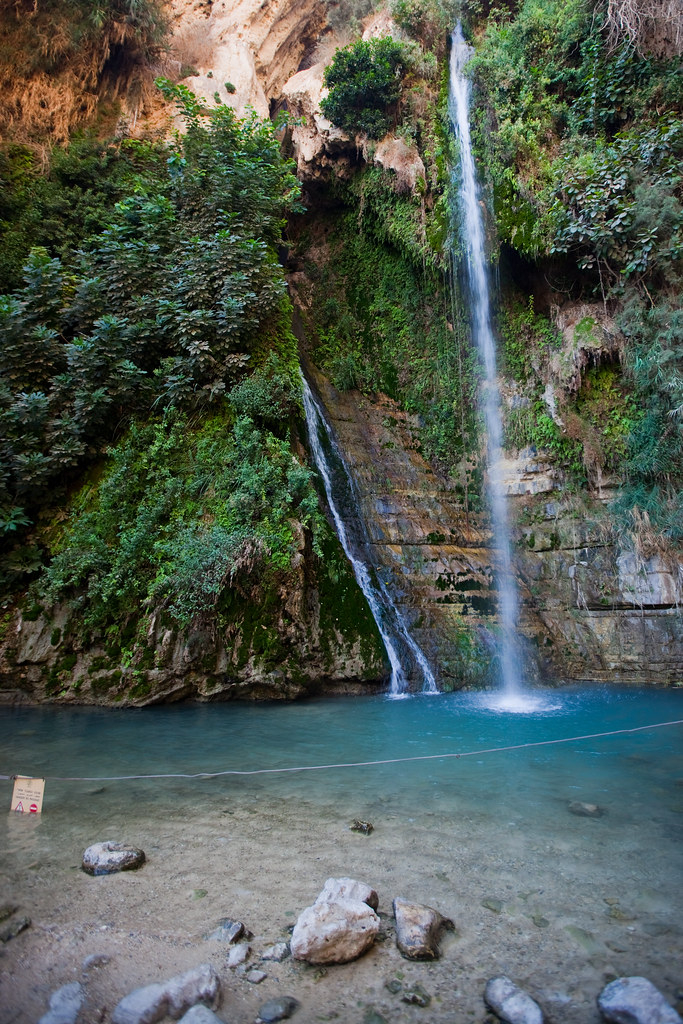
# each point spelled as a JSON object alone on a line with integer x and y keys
{"x": 364, "y": 80}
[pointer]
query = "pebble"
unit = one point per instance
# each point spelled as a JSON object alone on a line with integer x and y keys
{"x": 277, "y": 953}
{"x": 416, "y": 996}
{"x": 95, "y": 960}
{"x": 238, "y": 954}
{"x": 227, "y": 931}
{"x": 255, "y": 977}
{"x": 108, "y": 857}
{"x": 277, "y": 1009}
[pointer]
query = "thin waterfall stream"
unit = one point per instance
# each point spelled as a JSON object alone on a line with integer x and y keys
{"x": 472, "y": 234}
{"x": 392, "y": 627}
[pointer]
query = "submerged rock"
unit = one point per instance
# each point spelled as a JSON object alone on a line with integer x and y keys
{"x": 418, "y": 930}
{"x": 277, "y": 1009}
{"x": 584, "y": 810}
{"x": 336, "y": 890}
{"x": 200, "y": 1015}
{"x": 65, "y": 1004}
{"x": 334, "y": 933}
{"x": 14, "y": 927}
{"x": 416, "y": 996}
{"x": 511, "y": 1003}
{"x": 635, "y": 1001}
{"x": 364, "y": 827}
{"x": 173, "y": 998}
{"x": 229, "y": 931}
{"x": 107, "y": 858}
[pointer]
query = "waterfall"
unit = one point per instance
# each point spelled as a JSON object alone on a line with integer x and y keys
{"x": 472, "y": 232}
{"x": 392, "y": 627}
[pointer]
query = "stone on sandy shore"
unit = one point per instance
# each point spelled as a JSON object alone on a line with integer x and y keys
{"x": 64, "y": 1005}
{"x": 172, "y": 998}
{"x": 277, "y": 953}
{"x": 334, "y": 933}
{"x": 511, "y": 1003}
{"x": 584, "y": 810}
{"x": 238, "y": 954}
{"x": 107, "y": 858}
{"x": 635, "y": 1001}
{"x": 418, "y": 930}
{"x": 336, "y": 890}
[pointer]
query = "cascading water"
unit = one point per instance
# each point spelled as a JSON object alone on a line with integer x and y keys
{"x": 472, "y": 233}
{"x": 383, "y": 607}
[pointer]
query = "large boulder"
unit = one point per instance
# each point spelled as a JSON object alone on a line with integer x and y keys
{"x": 635, "y": 1001}
{"x": 418, "y": 930}
{"x": 510, "y": 1003}
{"x": 334, "y": 933}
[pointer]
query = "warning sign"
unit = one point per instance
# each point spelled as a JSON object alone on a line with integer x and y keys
{"x": 27, "y": 796}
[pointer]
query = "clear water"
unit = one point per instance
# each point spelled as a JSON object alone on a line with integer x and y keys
{"x": 575, "y": 900}
{"x": 473, "y": 237}
{"x": 200, "y": 738}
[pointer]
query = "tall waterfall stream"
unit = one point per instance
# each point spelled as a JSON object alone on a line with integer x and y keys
{"x": 472, "y": 232}
{"x": 390, "y": 622}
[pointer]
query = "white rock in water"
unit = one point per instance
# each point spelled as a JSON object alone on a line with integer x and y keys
{"x": 336, "y": 890}
{"x": 635, "y": 1001}
{"x": 511, "y": 1003}
{"x": 106, "y": 858}
{"x": 64, "y": 1005}
{"x": 334, "y": 933}
{"x": 173, "y": 998}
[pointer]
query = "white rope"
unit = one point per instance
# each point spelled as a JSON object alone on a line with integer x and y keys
{"x": 355, "y": 764}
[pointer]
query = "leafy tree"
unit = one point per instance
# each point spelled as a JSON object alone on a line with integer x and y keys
{"x": 364, "y": 80}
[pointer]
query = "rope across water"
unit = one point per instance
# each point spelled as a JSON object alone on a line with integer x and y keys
{"x": 356, "y": 764}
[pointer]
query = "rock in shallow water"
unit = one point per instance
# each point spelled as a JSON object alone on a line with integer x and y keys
{"x": 107, "y": 858}
{"x": 511, "y": 1003}
{"x": 418, "y": 930}
{"x": 635, "y": 1001}
{"x": 277, "y": 1009}
{"x": 583, "y": 810}
{"x": 64, "y": 1005}
{"x": 334, "y": 933}
{"x": 173, "y": 998}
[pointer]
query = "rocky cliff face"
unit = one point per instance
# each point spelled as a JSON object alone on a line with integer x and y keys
{"x": 311, "y": 634}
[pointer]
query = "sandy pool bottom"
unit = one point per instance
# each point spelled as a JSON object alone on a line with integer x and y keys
{"x": 561, "y": 910}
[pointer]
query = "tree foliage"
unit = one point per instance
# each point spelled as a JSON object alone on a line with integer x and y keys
{"x": 364, "y": 80}
{"x": 162, "y": 308}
